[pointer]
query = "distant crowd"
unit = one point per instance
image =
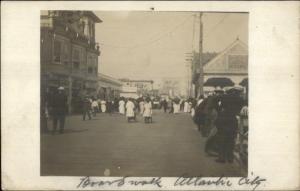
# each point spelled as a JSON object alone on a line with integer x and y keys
{"x": 124, "y": 106}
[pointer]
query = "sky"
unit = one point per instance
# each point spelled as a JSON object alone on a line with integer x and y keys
{"x": 153, "y": 45}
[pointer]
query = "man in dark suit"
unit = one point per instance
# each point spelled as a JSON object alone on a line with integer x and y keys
{"x": 59, "y": 109}
{"x": 86, "y": 108}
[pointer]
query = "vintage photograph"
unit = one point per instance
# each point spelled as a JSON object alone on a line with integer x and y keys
{"x": 143, "y": 93}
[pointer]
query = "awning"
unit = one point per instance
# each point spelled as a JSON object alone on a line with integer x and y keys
{"x": 222, "y": 82}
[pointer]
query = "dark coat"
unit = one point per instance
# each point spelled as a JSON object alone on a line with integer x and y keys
{"x": 59, "y": 104}
{"x": 199, "y": 116}
{"x": 227, "y": 122}
{"x": 86, "y": 104}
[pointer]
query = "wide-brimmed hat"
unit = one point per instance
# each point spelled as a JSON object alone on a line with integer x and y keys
{"x": 61, "y": 88}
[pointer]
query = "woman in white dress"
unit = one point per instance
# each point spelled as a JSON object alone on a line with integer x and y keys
{"x": 147, "y": 112}
{"x": 122, "y": 107}
{"x": 130, "y": 110}
{"x": 95, "y": 107}
{"x": 103, "y": 106}
{"x": 176, "y": 108}
{"x": 141, "y": 104}
{"x": 186, "y": 105}
{"x": 189, "y": 107}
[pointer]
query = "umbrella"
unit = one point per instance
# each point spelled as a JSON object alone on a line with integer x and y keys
{"x": 244, "y": 82}
{"x": 222, "y": 82}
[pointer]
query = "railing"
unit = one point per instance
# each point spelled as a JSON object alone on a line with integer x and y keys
{"x": 241, "y": 147}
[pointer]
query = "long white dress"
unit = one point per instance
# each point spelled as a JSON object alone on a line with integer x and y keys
{"x": 176, "y": 108}
{"x": 129, "y": 109}
{"x": 185, "y": 108}
{"x": 122, "y": 107}
{"x": 103, "y": 106}
{"x": 189, "y": 107}
{"x": 147, "y": 110}
{"x": 141, "y": 106}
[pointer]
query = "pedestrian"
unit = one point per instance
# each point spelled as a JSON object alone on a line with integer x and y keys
{"x": 210, "y": 115}
{"x": 189, "y": 105}
{"x": 211, "y": 145}
{"x": 176, "y": 106}
{"x": 171, "y": 106}
{"x": 45, "y": 98}
{"x": 130, "y": 110}
{"x": 185, "y": 107}
{"x": 227, "y": 125}
{"x": 95, "y": 107}
{"x": 59, "y": 109}
{"x": 86, "y": 108}
{"x": 199, "y": 117}
{"x": 193, "y": 106}
{"x": 141, "y": 105}
{"x": 181, "y": 104}
{"x": 147, "y": 113}
{"x": 164, "y": 105}
{"x": 201, "y": 98}
{"x": 122, "y": 106}
{"x": 103, "y": 106}
{"x": 109, "y": 106}
{"x": 116, "y": 105}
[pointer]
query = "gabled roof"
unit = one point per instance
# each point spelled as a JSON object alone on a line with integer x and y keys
{"x": 237, "y": 41}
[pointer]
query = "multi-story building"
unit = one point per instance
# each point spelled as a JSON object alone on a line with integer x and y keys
{"x": 69, "y": 53}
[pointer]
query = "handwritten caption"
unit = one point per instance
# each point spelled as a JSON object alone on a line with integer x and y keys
{"x": 251, "y": 182}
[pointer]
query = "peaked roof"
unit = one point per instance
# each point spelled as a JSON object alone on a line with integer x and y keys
{"x": 236, "y": 42}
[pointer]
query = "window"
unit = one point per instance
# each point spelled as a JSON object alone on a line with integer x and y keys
{"x": 238, "y": 62}
{"x": 57, "y": 51}
{"x": 65, "y": 54}
{"x": 76, "y": 60}
{"x": 61, "y": 52}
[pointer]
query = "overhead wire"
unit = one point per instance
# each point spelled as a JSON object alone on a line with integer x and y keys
{"x": 163, "y": 35}
{"x": 150, "y": 41}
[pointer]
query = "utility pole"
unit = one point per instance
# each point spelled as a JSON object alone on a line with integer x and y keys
{"x": 201, "y": 73}
{"x": 189, "y": 60}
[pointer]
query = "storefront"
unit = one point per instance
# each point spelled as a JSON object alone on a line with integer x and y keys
{"x": 108, "y": 88}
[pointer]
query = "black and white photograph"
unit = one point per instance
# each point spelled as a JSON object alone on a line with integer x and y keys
{"x": 150, "y": 95}
{"x": 143, "y": 93}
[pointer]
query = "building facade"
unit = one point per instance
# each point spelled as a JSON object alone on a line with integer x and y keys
{"x": 143, "y": 87}
{"x": 231, "y": 63}
{"x": 69, "y": 54}
{"x": 108, "y": 88}
{"x": 129, "y": 92}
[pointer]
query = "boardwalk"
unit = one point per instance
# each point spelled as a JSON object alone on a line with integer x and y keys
{"x": 170, "y": 146}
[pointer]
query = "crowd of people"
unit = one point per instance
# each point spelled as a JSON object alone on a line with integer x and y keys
{"x": 129, "y": 107}
{"x": 217, "y": 119}
{"x": 215, "y": 115}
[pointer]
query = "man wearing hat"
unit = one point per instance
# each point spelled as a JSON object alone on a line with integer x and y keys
{"x": 227, "y": 124}
{"x": 59, "y": 109}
